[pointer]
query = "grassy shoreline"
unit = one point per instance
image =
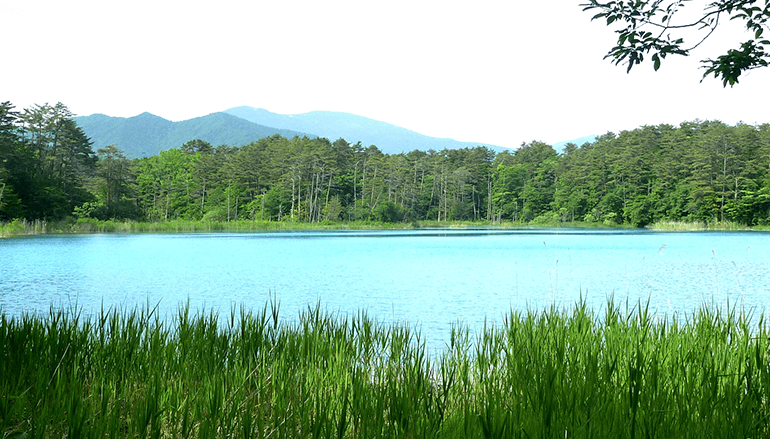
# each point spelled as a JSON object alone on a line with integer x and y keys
{"x": 554, "y": 373}
{"x": 699, "y": 226}
{"x": 85, "y": 226}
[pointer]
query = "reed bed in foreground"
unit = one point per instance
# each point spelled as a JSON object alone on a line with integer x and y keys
{"x": 621, "y": 373}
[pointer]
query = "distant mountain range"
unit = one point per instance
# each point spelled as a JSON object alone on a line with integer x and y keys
{"x": 389, "y": 138}
{"x": 146, "y": 134}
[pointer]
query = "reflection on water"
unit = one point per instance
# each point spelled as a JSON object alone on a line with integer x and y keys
{"x": 429, "y": 278}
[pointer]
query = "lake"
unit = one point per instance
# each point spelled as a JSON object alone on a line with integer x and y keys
{"x": 427, "y": 278}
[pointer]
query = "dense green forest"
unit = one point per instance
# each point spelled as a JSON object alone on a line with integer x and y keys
{"x": 699, "y": 171}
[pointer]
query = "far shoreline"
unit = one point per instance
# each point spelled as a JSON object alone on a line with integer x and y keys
{"x": 18, "y": 228}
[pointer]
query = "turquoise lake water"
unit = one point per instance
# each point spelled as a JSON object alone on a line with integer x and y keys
{"x": 427, "y": 278}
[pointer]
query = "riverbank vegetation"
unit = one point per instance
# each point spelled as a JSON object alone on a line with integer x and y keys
{"x": 621, "y": 373}
{"x": 93, "y": 225}
{"x": 699, "y": 172}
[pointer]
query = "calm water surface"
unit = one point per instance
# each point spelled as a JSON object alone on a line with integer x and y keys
{"x": 430, "y": 279}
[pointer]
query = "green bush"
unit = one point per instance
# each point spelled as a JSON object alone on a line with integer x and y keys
{"x": 388, "y": 212}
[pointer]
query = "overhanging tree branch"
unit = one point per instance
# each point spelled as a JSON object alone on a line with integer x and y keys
{"x": 635, "y": 41}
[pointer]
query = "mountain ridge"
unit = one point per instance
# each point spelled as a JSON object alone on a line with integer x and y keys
{"x": 147, "y": 134}
{"x": 389, "y": 138}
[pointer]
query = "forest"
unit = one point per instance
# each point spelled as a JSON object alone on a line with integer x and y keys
{"x": 699, "y": 171}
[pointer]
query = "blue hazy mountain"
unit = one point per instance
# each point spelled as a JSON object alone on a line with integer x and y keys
{"x": 559, "y": 146}
{"x": 389, "y": 138}
{"x": 146, "y": 134}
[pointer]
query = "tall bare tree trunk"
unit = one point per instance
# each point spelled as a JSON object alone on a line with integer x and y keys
{"x": 292, "y": 197}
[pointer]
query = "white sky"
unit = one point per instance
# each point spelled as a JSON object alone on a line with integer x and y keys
{"x": 499, "y": 72}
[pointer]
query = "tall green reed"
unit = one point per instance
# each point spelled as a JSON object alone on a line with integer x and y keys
{"x": 623, "y": 373}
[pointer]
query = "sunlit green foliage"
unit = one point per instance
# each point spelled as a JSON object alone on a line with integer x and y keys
{"x": 700, "y": 171}
{"x": 45, "y": 161}
{"x": 620, "y": 373}
{"x": 697, "y": 172}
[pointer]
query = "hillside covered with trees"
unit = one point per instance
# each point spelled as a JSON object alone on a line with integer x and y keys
{"x": 698, "y": 171}
{"x": 146, "y": 135}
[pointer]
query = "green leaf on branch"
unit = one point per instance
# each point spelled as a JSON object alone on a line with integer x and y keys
{"x": 651, "y": 27}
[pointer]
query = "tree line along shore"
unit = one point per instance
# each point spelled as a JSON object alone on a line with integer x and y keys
{"x": 697, "y": 174}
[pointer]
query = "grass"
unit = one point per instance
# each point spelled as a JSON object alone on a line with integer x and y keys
{"x": 24, "y": 227}
{"x": 90, "y": 225}
{"x": 621, "y": 373}
{"x": 687, "y": 226}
